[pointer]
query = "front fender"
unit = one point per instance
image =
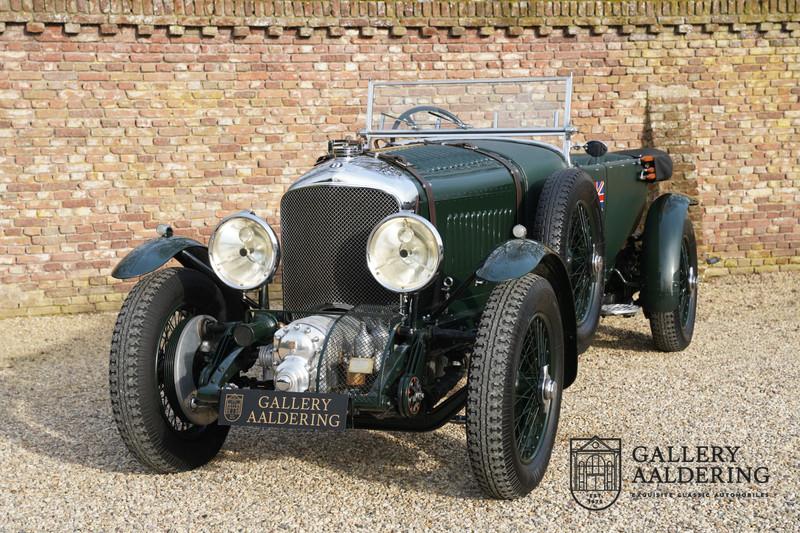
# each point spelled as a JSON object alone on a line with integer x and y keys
{"x": 512, "y": 259}
{"x": 661, "y": 252}
{"x": 517, "y": 257}
{"x": 149, "y": 256}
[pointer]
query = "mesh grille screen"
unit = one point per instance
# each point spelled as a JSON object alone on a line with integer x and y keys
{"x": 363, "y": 333}
{"x": 324, "y": 230}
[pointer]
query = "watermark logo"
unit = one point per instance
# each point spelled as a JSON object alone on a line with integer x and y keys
{"x": 233, "y": 407}
{"x": 595, "y": 471}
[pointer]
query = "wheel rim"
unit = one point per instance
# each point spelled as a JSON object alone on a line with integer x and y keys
{"x": 687, "y": 282}
{"x": 580, "y": 261}
{"x": 534, "y": 390}
{"x": 173, "y": 322}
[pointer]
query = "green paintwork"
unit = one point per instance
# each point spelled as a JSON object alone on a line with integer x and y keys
{"x": 228, "y": 368}
{"x": 475, "y": 198}
{"x": 258, "y": 329}
{"x": 380, "y": 398}
{"x": 661, "y": 252}
{"x": 512, "y": 259}
{"x": 229, "y": 361}
{"x": 476, "y": 210}
{"x": 536, "y": 164}
{"x": 626, "y": 197}
{"x": 147, "y": 257}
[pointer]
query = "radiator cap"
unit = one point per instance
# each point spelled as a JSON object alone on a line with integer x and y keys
{"x": 345, "y": 147}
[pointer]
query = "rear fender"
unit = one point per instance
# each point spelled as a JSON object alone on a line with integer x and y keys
{"x": 661, "y": 250}
{"x": 149, "y": 256}
{"x": 517, "y": 257}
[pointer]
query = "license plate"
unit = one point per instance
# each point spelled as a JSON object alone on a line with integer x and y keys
{"x": 293, "y": 410}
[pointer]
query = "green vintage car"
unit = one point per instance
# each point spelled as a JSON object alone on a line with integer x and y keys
{"x": 448, "y": 258}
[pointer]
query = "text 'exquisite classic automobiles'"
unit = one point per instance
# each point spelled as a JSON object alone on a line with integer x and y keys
{"x": 445, "y": 259}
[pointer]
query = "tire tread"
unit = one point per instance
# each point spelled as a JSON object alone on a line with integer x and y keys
{"x": 666, "y": 330}
{"x": 488, "y": 449}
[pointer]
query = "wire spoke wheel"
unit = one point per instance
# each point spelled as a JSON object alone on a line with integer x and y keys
{"x": 580, "y": 253}
{"x": 172, "y": 329}
{"x": 148, "y": 334}
{"x": 569, "y": 220}
{"x": 530, "y": 407}
{"x": 514, "y": 387}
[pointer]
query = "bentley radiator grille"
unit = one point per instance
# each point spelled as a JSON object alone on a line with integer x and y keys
{"x": 324, "y": 230}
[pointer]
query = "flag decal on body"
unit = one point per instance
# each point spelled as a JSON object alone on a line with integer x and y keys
{"x": 601, "y": 193}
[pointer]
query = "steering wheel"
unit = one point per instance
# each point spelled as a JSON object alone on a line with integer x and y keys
{"x": 438, "y": 112}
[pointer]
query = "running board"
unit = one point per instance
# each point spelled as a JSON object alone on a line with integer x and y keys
{"x": 619, "y": 310}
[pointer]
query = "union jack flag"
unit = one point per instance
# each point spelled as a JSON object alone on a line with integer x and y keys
{"x": 601, "y": 192}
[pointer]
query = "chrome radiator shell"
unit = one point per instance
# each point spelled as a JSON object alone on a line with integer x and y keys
{"x": 326, "y": 219}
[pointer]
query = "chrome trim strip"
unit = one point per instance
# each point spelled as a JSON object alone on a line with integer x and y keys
{"x": 473, "y": 132}
{"x": 473, "y": 81}
{"x": 567, "y": 122}
{"x": 370, "y": 93}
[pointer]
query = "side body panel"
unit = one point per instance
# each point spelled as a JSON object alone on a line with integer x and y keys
{"x": 624, "y": 197}
{"x": 536, "y": 164}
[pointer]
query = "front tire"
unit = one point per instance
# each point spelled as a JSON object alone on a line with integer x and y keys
{"x": 516, "y": 375}
{"x": 148, "y": 324}
{"x": 673, "y": 330}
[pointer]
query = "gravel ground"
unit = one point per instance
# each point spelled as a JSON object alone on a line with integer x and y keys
{"x": 63, "y": 466}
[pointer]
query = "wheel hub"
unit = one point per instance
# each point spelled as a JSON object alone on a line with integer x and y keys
{"x": 547, "y": 387}
{"x": 693, "y": 280}
{"x": 179, "y": 373}
{"x": 597, "y": 262}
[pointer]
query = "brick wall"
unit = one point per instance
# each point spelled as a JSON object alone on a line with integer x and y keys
{"x": 118, "y": 115}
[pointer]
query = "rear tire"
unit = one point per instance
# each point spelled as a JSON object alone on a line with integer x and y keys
{"x": 518, "y": 354}
{"x": 673, "y": 330}
{"x": 569, "y": 220}
{"x": 151, "y": 317}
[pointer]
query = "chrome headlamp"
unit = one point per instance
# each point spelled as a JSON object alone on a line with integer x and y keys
{"x": 404, "y": 252}
{"x": 244, "y": 251}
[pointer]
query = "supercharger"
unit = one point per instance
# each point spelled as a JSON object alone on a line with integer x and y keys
{"x": 293, "y": 358}
{"x": 297, "y": 354}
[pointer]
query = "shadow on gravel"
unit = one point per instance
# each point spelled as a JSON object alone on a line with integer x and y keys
{"x": 614, "y": 338}
{"x": 56, "y": 405}
{"x": 429, "y": 462}
{"x": 56, "y": 401}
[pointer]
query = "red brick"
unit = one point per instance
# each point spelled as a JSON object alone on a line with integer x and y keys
{"x": 112, "y": 133}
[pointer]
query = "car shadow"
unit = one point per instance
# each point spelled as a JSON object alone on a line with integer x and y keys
{"x": 615, "y": 338}
{"x": 57, "y": 406}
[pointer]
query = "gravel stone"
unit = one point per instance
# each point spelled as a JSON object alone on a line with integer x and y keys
{"x": 64, "y": 467}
